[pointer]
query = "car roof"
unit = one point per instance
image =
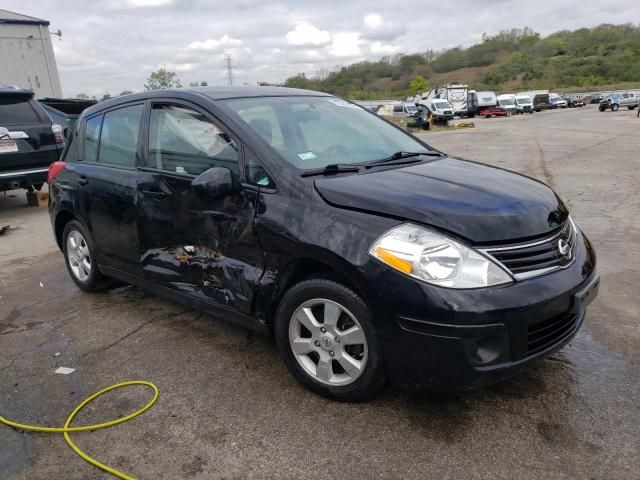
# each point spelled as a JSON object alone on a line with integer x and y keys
{"x": 15, "y": 91}
{"x": 213, "y": 93}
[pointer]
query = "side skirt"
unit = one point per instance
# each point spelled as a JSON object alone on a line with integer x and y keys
{"x": 215, "y": 310}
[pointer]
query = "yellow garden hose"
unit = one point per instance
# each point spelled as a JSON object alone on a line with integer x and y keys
{"x": 68, "y": 429}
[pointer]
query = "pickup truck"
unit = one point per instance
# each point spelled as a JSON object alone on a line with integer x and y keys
{"x": 629, "y": 100}
{"x": 29, "y": 140}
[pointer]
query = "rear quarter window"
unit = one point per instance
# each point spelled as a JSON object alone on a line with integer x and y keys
{"x": 17, "y": 111}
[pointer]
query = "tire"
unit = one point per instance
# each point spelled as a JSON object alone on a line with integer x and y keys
{"x": 331, "y": 347}
{"x": 87, "y": 278}
{"x": 615, "y": 107}
{"x": 632, "y": 107}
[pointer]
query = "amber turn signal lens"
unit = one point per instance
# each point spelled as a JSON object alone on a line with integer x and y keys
{"x": 390, "y": 259}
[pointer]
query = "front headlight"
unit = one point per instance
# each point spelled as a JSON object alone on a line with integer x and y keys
{"x": 433, "y": 258}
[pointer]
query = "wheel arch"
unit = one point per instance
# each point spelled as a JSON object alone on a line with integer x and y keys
{"x": 62, "y": 218}
{"x": 328, "y": 266}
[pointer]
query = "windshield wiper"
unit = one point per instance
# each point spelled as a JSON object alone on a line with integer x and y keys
{"x": 333, "y": 169}
{"x": 401, "y": 156}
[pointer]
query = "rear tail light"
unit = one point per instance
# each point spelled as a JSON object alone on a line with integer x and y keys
{"x": 58, "y": 133}
{"x": 54, "y": 169}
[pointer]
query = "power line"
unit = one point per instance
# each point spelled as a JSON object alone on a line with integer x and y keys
{"x": 229, "y": 68}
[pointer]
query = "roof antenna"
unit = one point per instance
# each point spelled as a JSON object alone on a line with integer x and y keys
{"x": 58, "y": 34}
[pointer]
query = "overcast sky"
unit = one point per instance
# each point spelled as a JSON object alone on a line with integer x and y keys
{"x": 112, "y": 45}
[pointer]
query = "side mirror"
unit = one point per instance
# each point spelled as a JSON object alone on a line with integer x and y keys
{"x": 217, "y": 182}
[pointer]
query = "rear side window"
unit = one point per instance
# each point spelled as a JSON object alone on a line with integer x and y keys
{"x": 119, "y": 136}
{"x": 71, "y": 152}
{"x": 92, "y": 139}
{"x": 17, "y": 111}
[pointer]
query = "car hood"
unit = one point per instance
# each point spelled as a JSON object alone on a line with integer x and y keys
{"x": 479, "y": 203}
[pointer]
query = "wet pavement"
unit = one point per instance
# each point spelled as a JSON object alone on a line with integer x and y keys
{"x": 229, "y": 409}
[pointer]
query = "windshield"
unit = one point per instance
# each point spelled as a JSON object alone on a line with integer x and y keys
{"x": 442, "y": 105}
{"x": 506, "y": 101}
{"x": 313, "y": 132}
{"x": 523, "y": 100}
{"x": 411, "y": 108}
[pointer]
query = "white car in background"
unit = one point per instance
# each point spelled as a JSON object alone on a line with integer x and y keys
{"x": 440, "y": 108}
{"x": 524, "y": 104}
{"x": 507, "y": 102}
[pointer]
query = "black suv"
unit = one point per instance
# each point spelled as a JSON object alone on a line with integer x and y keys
{"x": 367, "y": 254}
{"x": 29, "y": 140}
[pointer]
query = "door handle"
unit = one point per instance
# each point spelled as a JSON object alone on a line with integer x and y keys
{"x": 82, "y": 180}
{"x": 154, "y": 194}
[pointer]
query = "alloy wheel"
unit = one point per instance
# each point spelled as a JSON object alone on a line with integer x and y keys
{"x": 78, "y": 255}
{"x": 328, "y": 342}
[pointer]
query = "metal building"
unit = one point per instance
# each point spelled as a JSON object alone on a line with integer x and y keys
{"x": 26, "y": 55}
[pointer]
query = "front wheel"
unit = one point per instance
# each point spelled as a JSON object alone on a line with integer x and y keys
{"x": 615, "y": 107}
{"x": 326, "y": 337}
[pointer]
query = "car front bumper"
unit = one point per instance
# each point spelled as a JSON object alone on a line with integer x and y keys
{"x": 442, "y": 339}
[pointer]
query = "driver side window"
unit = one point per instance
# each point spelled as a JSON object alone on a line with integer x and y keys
{"x": 182, "y": 140}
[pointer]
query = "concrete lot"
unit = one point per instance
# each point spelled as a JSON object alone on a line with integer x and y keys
{"x": 229, "y": 409}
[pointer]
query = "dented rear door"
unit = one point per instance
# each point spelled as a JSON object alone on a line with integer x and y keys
{"x": 204, "y": 247}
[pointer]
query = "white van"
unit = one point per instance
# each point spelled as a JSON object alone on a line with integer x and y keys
{"x": 507, "y": 102}
{"x": 524, "y": 103}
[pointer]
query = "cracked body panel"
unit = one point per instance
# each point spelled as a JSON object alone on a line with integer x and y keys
{"x": 198, "y": 245}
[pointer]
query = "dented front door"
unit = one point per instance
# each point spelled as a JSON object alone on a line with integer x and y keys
{"x": 205, "y": 247}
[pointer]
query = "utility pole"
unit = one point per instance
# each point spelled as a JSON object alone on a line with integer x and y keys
{"x": 229, "y": 68}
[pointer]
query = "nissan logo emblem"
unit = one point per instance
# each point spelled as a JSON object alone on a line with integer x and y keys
{"x": 564, "y": 248}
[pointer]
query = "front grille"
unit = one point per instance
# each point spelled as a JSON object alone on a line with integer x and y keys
{"x": 547, "y": 333}
{"x": 540, "y": 257}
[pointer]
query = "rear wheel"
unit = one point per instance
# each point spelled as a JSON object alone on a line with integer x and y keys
{"x": 325, "y": 335}
{"x": 80, "y": 258}
{"x": 615, "y": 107}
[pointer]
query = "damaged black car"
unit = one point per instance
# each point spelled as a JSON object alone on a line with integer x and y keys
{"x": 369, "y": 256}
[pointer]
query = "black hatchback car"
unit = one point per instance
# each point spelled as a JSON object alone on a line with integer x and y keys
{"x": 367, "y": 254}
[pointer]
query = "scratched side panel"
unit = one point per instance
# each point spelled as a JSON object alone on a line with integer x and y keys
{"x": 200, "y": 246}
{"x": 296, "y": 224}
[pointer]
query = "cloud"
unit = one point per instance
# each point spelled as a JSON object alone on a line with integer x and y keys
{"x": 212, "y": 44}
{"x": 380, "y": 48}
{"x": 346, "y": 45}
{"x": 375, "y": 27}
{"x": 114, "y": 45}
{"x": 373, "y": 21}
{"x": 306, "y": 34}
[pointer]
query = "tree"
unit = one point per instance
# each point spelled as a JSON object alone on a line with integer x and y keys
{"x": 418, "y": 85}
{"x": 106, "y": 96}
{"x": 162, "y": 78}
{"x": 199, "y": 84}
{"x": 82, "y": 96}
{"x": 125, "y": 92}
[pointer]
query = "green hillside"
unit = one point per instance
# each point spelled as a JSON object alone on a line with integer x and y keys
{"x": 519, "y": 59}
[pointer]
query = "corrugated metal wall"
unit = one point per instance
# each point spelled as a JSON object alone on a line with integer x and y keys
{"x": 27, "y": 59}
